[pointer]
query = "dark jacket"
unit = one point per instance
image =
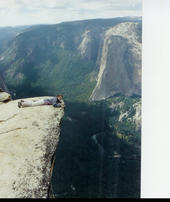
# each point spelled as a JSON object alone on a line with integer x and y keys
{"x": 54, "y": 101}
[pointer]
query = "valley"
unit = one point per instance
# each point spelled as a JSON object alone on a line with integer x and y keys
{"x": 96, "y": 65}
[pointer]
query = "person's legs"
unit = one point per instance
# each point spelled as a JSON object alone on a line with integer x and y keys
{"x": 27, "y": 103}
{"x": 38, "y": 103}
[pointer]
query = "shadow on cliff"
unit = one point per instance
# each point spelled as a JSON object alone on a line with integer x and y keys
{"x": 81, "y": 169}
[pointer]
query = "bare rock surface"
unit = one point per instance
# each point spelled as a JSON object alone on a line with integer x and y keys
{"x": 28, "y": 140}
{"x": 120, "y": 64}
{"x": 4, "y": 96}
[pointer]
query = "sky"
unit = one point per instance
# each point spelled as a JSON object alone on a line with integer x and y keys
{"x": 29, "y": 12}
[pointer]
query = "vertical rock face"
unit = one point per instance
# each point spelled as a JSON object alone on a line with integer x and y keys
{"x": 85, "y": 45}
{"x": 89, "y": 45}
{"x": 120, "y": 64}
{"x": 28, "y": 140}
{"x": 76, "y": 54}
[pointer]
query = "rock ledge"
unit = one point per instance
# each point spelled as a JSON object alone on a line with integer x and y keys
{"x": 28, "y": 140}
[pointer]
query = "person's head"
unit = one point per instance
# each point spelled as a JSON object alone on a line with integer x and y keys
{"x": 59, "y": 97}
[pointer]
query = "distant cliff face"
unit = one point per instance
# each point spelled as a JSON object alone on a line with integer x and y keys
{"x": 120, "y": 63}
{"x": 91, "y": 59}
{"x": 96, "y": 58}
{"x": 28, "y": 140}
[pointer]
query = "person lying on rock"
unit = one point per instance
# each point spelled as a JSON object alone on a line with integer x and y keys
{"x": 55, "y": 101}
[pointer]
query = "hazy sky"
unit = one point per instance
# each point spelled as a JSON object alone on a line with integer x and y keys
{"x": 26, "y": 12}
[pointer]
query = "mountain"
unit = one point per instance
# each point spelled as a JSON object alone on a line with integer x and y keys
{"x": 96, "y": 65}
{"x": 89, "y": 56}
{"x": 120, "y": 61}
{"x": 7, "y": 34}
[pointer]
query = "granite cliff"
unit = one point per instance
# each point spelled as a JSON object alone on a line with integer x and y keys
{"x": 96, "y": 58}
{"x": 120, "y": 63}
{"x": 96, "y": 65}
{"x": 28, "y": 140}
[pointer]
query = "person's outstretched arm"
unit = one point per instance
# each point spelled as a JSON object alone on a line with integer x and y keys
{"x": 60, "y": 104}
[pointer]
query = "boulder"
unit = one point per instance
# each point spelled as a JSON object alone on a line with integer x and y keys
{"x": 4, "y": 97}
